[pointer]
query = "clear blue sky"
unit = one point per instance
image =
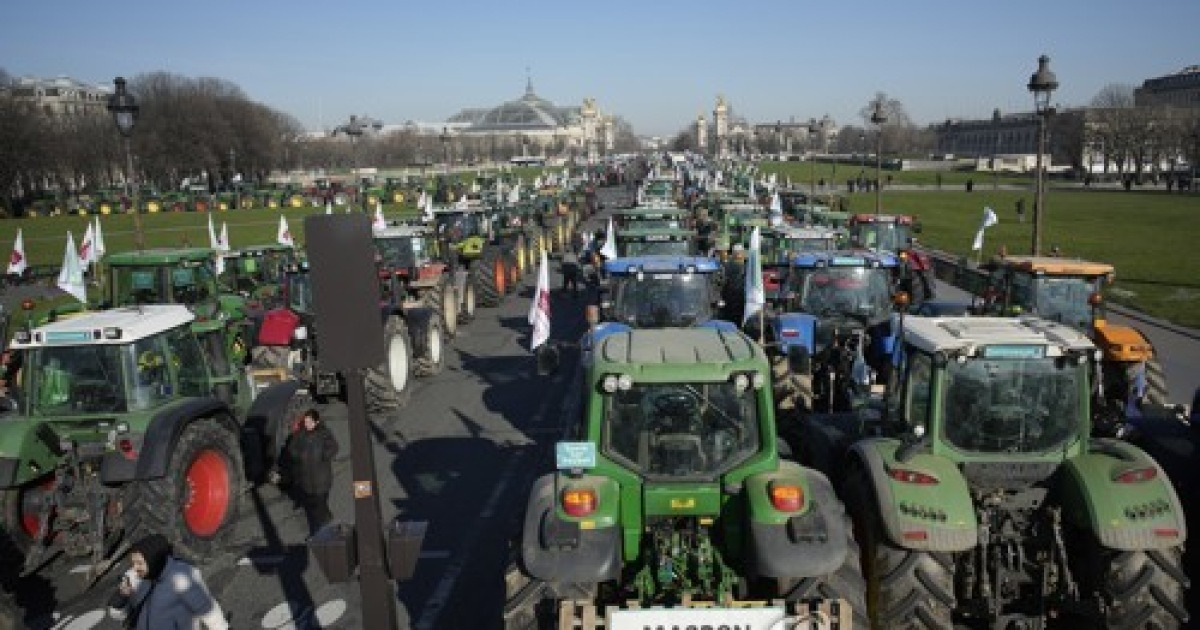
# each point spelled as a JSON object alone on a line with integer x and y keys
{"x": 658, "y": 63}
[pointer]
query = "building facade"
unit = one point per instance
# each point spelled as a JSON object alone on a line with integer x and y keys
{"x": 60, "y": 97}
{"x": 1181, "y": 89}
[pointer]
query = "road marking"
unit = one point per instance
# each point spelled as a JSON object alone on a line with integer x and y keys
{"x": 83, "y": 568}
{"x": 441, "y": 594}
{"x": 86, "y": 621}
{"x": 281, "y": 618}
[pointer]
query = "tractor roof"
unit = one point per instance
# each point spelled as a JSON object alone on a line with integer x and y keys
{"x": 160, "y": 256}
{"x": 1018, "y": 337}
{"x": 1053, "y": 266}
{"x": 401, "y": 231}
{"x": 678, "y": 354}
{"x": 114, "y": 326}
{"x": 651, "y": 210}
{"x": 661, "y": 264}
{"x": 843, "y": 258}
{"x": 863, "y": 217}
{"x": 792, "y": 231}
{"x": 654, "y": 233}
{"x": 257, "y": 251}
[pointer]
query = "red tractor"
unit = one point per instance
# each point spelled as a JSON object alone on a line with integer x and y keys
{"x": 893, "y": 233}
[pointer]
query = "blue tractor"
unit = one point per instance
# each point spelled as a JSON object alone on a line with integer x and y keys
{"x": 833, "y": 331}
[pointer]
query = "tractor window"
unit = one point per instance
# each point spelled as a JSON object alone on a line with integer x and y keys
{"x": 192, "y": 285}
{"x": 299, "y": 292}
{"x": 137, "y": 285}
{"x": 917, "y": 390}
{"x": 75, "y": 380}
{"x": 190, "y": 366}
{"x": 152, "y": 380}
{"x": 680, "y": 247}
{"x": 662, "y": 300}
{"x": 1064, "y": 300}
{"x": 397, "y": 252}
{"x": 681, "y": 430}
{"x": 1012, "y": 405}
{"x": 852, "y": 291}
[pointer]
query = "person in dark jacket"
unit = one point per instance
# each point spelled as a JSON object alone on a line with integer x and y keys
{"x": 162, "y": 591}
{"x": 312, "y": 449}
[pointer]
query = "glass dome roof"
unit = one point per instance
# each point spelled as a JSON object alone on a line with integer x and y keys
{"x": 528, "y": 112}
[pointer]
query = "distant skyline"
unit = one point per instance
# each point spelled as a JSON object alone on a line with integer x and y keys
{"x": 659, "y": 65}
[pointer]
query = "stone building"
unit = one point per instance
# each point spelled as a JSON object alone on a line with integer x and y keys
{"x": 1181, "y": 89}
{"x": 60, "y": 97}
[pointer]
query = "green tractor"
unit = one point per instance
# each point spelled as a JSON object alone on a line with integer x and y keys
{"x": 674, "y": 495}
{"x": 178, "y": 276}
{"x": 493, "y": 269}
{"x": 256, "y": 273}
{"x": 979, "y": 496}
{"x": 131, "y": 421}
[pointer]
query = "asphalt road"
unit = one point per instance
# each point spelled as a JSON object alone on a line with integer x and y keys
{"x": 460, "y": 456}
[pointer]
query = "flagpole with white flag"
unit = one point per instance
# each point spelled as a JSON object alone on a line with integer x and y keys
{"x": 609, "y": 250}
{"x": 100, "y": 248}
{"x": 224, "y": 238}
{"x": 213, "y": 241}
{"x": 379, "y": 223}
{"x": 539, "y": 310}
{"x": 70, "y": 277}
{"x": 284, "y": 236}
{"x": 756, "y": 295}
{"x": 989, "y": 219}
{"x": 87, "y": 248}
{"x": 16, "y": 261}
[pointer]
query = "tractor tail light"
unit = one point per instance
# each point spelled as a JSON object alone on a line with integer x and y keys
{"x": 578, "y": 502}
{"x": 911, "y": 476}
{"x": 127, "y": 449}
{"x": 786, "y": 497}
{"x": 1136, "y": 475}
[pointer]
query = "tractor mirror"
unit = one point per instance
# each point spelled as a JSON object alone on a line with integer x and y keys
{"x": 547, "y": 359}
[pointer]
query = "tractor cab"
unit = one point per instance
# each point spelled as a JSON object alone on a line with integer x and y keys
{"x": 841, "y": 285}
{"x": 668, "y": 217}
{"x": 164, "y": 276}
{"x": 1064, "y": 290}
{"x": 661, "y": 291}
{"x": 656, "y": 242}
{"x": 658, "y": 191}
{"x": 780, "y": 244}
{"x": 256, "y": 272}
{"x": 883, "y": 232}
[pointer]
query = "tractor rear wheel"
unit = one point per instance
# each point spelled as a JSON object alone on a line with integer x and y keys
{"x": 443, "y": 299}
{"x": 466, "y": 311}
{"x": 195, "y": 503}
{"x": 433, "y": 353}
{"x": 389, "y": 386}
{"x": 514, "y": 272}
{"x": 490, "y": 277}
{"x": 906, "y": 589}
{"x": 1143, "y": 589}
{"x": 846, "y": 584}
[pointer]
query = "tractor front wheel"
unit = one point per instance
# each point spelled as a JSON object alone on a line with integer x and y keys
{"x": 195, "y": 503}
{"x": 490, "y": 278}
{"x": 443, "y": 300}
{"x": 389, "y": 386}
{"x": 466, "y": 311}
{"x": 432, "y": 358}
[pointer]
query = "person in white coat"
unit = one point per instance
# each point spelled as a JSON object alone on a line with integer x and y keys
{"x": 161, "y": 591}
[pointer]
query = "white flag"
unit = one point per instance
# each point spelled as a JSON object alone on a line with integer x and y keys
{"x": 70, "y": 277}
{"x": 284, "y": 236}
{"x": 463, "y": 204}
{"x": 539, "y": 310}
{"x": 328, "y": 207}
{"x": 756, "y": 295}
{"x": 609, "y": 250}
{"x": 16, "y": 261}
{"x": 776, "y": 203}
{"x": 224, "y": 238}
{"x": 379, "y": 223}
{"x": 989, "y": 219}
{"x": 514, "y": 195}
{"x": 99, "y": 241}
{"x": 421, "y": 201}
{"x": 213, "y": 241}
{"x": 87, "y": 247}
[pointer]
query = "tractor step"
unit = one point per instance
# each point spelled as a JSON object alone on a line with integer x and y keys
{"x": 834, "y": 614}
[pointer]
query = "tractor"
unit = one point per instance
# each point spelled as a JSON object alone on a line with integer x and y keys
{"x": 780, "y": 244}
{"x": 657, "y": 242}
{"x": 980, "y": 497}
{"x": 672, "y": 496}
{"x": 413, "y": 268}
{"x": 835, "y": 324}
{"x": 660, "y": 292}
{"x": 894, "y": 234}
{"x": 671, "y": 217}
{"x": 130, "y": 421}
{"x": 1069, "y": 291}
{"x": 256, "y": 272}
{"x": 469, "y": 232}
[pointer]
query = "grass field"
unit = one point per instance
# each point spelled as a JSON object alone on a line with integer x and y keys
{"x": 1149, "y": 236}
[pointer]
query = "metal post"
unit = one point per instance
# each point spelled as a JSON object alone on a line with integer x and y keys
{"x": 139, "y": 236}
{"x": 878, "y": 171}
{"x": 374, "y": 583}
{"x": 1039, "y": 187}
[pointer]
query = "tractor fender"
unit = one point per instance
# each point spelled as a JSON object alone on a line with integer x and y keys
{"x": 791, "y": 329}
{"x": 1128, "y": 516}
{"x": 265, "y": 425}
{"x": 167, "y": 425}
{"x": 920, "y": 516}
{"x": 24, "y": 445}
{"x": 419, "y": 319}
{"x": 806, "y": 544}
{"x": 1123, "y": 344}
{"x": 559, "y": 548}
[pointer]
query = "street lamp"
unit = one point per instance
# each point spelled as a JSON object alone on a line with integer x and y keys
{"x": 878, "y": 118}
{"x": 779, "y": 139}
{"x": 446, "y": 147}
{"x": 812, "y": 143}
{"x": 1042, "y": 83}
{"x": 354, "y": 128}
{"x": 125, "y": 109}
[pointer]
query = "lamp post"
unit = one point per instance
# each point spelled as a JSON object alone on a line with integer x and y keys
{"x": 124, "y": 108}
{"x": 354, "y": 128}
{"x": 779, "y": 139}
{"x": 812, "y": 169}
{"x": 878, "y": 118}
{"x": 446, "y": 147}
{"x": 862, "y": 147}
{"x": 1042, "y": 83}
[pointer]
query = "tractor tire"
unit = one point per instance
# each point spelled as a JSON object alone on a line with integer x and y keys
{"x": 514, "y": 272}
{"x": 521, "y": 255}
{"x": 195, "y": 504}
{"x": 1142, "y": 589}
{"x": 531, "y": 604}
{"x": 432, "y": 358}
{"x": 19, "y": 508}
{"x": 906, "y": 589}
{"x": 389, "y": 386}
{"x": 490, "y": 278}
{"x": 443, "y": 299}
{"x": 1156, "y": 382}
{"x": 793, "y": 392}
{"x": 846, "y": 584}
{"x": 466, "y": 309}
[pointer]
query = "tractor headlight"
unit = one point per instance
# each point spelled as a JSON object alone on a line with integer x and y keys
{"x": 741, "y": 382}
{"x": 300, "y": 334}
{"x": 759, "y": 380}
{"x": 609, "y": 383}
{"x": 625, "y": 382}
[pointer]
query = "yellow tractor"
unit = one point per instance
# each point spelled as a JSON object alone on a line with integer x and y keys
{"x": 1069, "y": 291}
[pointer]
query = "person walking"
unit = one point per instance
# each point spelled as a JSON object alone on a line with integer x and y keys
{"x": 312, "y": 449}
{"x": 571, "y": 270}
{"x": 162, "y": 591}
